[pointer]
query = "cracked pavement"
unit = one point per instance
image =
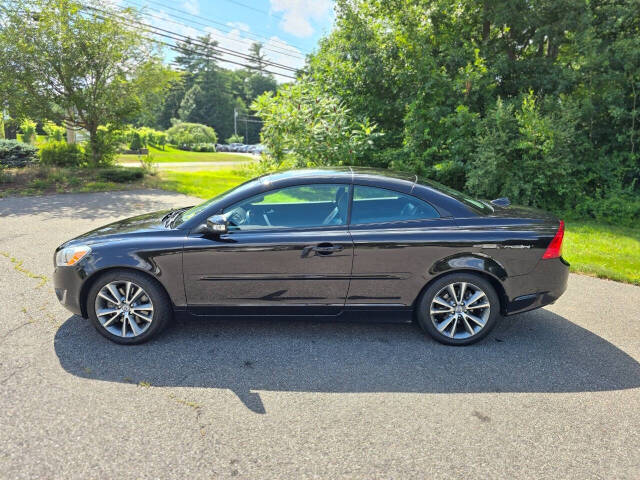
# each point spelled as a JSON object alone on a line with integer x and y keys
{"x": 549, "y": 394}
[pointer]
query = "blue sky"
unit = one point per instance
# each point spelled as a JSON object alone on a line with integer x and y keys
{"x": 289, "y": 29}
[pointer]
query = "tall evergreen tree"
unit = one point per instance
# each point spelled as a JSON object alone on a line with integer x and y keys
{"x": 258, "y": 58}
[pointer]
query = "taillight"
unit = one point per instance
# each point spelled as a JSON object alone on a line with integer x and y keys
{"x": 554, "y": 250}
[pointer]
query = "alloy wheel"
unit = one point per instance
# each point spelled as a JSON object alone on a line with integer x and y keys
{"x": 124, "y": 309}
{"x": 460, "y": 310}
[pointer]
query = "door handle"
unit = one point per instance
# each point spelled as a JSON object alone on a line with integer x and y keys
{"x": 322, "y": 249}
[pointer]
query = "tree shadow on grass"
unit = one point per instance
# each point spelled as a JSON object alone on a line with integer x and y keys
{"x": 533, "y": 352}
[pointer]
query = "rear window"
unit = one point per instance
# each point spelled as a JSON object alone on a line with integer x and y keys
{"x": 379, "y": 205}
{"x": 471, "y": 202}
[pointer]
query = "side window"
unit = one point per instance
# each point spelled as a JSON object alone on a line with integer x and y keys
{"x": 292, "y": 207}
{"x": 378, "y": 205}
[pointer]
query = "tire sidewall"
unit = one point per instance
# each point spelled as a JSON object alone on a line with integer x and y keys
{"x": 161, "y": 305}
{"x": 424, "y": 303}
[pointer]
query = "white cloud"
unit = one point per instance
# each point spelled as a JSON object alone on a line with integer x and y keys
{"x": 239, "y": 25}
{"x": 163, "y": 20}
{"x": 298, "y": 16}
{"x": 191, "y": 6}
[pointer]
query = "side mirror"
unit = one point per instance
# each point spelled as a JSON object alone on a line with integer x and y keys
{"x": 217, "y": 224}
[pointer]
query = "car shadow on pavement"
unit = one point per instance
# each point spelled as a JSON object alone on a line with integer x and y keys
{"x": 533, "y": 352}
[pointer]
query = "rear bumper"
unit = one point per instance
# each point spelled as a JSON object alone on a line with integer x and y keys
{"x": 543, "y": 286}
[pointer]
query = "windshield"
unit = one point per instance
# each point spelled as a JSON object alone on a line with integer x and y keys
{"x": 461, "y": 197}
{"x": 193, "y": 211}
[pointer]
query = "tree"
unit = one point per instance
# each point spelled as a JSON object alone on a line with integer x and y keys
{"x": 28, "y": 129}
{"x": 482, "y": 94}
{"x": 257, "y": 57}
{"x": 77, "y": 65}
{"x": 155, "y": 82}
{"x": 197, "y": 55}
{"x": 317, "y": 128}
{"x": 188, "y": 104}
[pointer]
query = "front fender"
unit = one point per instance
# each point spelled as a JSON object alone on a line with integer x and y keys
{"x": 163, "y": 263}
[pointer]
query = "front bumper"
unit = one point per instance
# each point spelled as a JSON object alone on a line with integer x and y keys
{"x": 67, "y": 283}
{"x": 543, "y": 286}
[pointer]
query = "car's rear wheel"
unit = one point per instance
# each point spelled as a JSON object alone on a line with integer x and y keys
{"x": 128, "y": 307}
{"x": 458, "y": 309}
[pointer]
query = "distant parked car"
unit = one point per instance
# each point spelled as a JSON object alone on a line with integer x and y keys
{"x": 233, "y": 147}
{"x": 221, "y": 148}
{"x": 244, "y": 148}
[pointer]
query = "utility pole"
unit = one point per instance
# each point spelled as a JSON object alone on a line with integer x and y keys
{"x": 235, "y": 121}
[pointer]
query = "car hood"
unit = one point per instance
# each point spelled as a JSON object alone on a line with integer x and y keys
{"x": 149, "y": 223}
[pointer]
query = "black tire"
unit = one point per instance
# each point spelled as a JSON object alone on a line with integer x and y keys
{"x": 162, "y": 309}
{"x": 423, "y": 309}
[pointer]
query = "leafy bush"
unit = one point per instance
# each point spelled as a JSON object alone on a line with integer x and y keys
{"x": 619, "y": 208}
{"x": 316, "y": 127}
{"x": 186, "y": 135}
{"x": 526, "y": 156}
{"x": 235, "y": 139}
{"x": 451, "y": 173}
{"x": 62, "y": 154}
{"x": 204, "y": 147}
{"x": 147, "y": 164}
{"x": 102, "y": 148}
{"x": 17, "y": 154}
{"x": 28, "y": 128}
{"x": 158, "y": 139}
{"x": 136, "y": 141}
{"x": 54, "y": 132}
{"x": 121, "y": 174}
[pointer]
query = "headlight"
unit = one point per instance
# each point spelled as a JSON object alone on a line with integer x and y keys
{"x": 71, "y": 255}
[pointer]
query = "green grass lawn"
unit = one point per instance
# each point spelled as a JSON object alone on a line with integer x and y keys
{"x": 603, "y": 251}
{"x": 600, "y": 250}
{"x": 203, "y": 184}
{"x": 171, "y": 154}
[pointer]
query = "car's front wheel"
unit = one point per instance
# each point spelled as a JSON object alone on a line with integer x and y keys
{"x": 458, "y": 309}
{"x": 128, "y": 307}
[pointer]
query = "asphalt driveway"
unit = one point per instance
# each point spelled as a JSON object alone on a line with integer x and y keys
{"x": 553, "y": 393}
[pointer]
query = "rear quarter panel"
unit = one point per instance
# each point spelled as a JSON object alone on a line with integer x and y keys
{"x": 392, "y": 264}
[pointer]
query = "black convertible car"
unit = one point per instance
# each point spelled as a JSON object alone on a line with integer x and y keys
{"x": 339, "y": 242}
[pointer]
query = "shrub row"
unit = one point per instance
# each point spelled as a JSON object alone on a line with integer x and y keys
{"x": 17, "y": 154}
{"x": 62, "y": 154}
{"x": 120, "y": 174}
{"x": 187, "y": 135}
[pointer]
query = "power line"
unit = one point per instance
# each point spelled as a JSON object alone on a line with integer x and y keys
{"x": 179, "y": 49}
{"x": 185, "y": 39}
{"x": 286, "y": 46}
{"x": 250, "y": 7}
{"x": 211, "y": 57}
{"x": 249, "y": 121}
{"x": 239, "y": 40}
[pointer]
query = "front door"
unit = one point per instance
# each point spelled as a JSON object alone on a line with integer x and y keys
{"x": 287, "y": 252}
